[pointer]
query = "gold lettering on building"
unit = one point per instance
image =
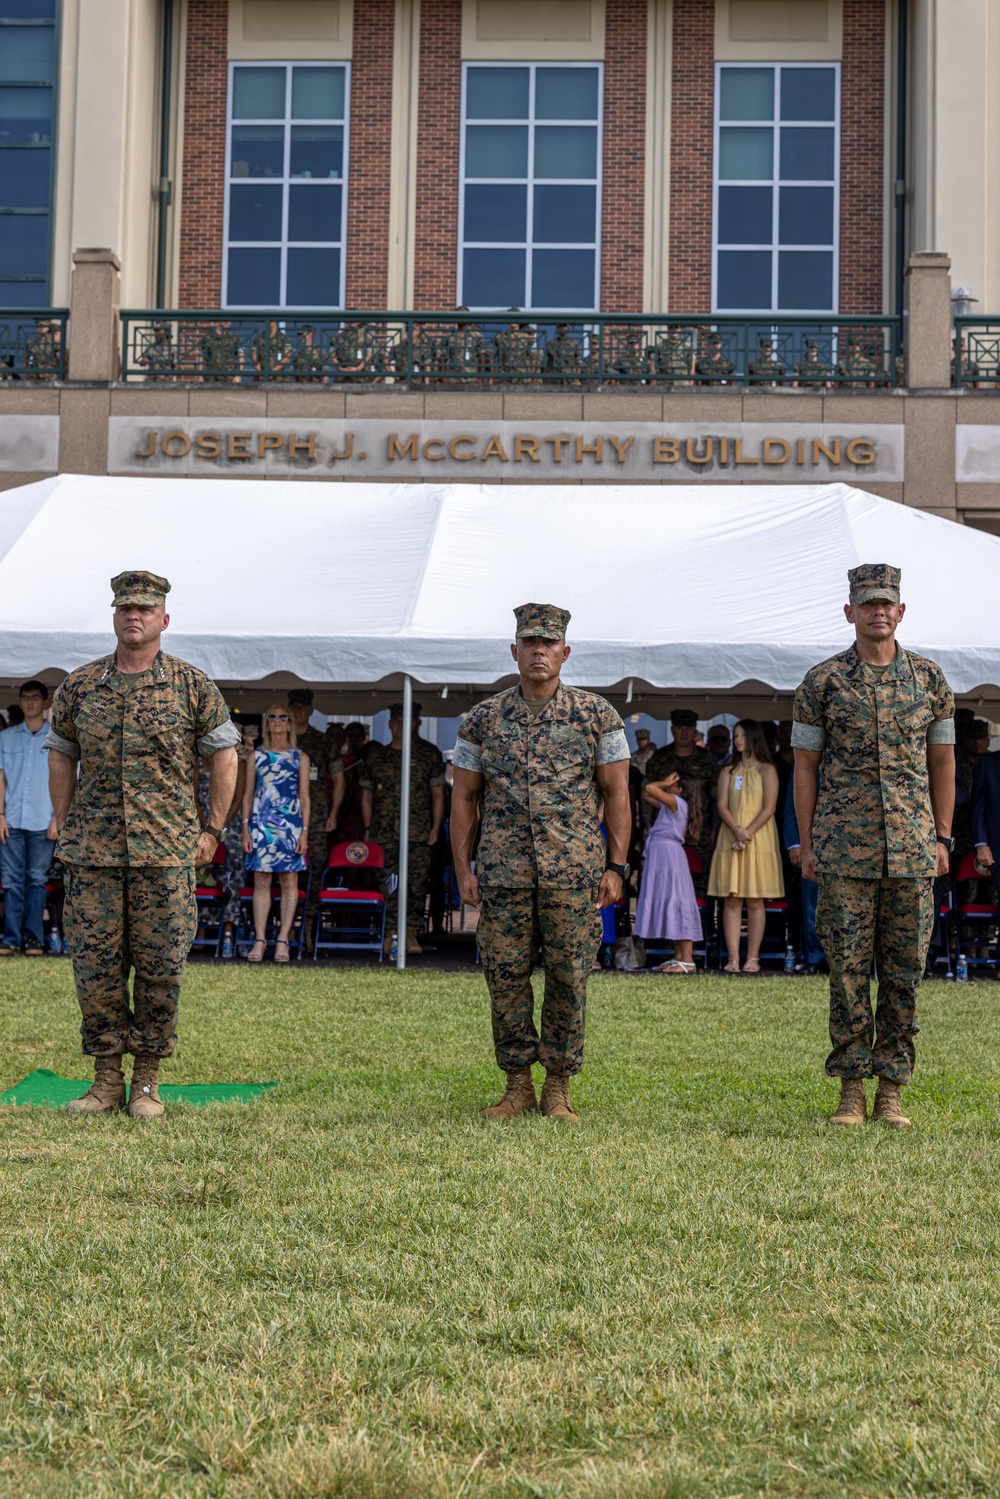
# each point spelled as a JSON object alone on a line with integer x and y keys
{"x": 430, "y": 449}
{"x": 238, "y": 445}
{"x": 596, "y": 448}
{"x": 397, "y": 449}
{"x": 557, "y": 443}
{"x": 621, "y": 446}
{"x": 691, "y": 449}
{"x": 494, "y": 449}
{"x": 150, "y": 450}
{"x": 529, "y": 445}
{"x": 666, "y": 449}
{"x": 860, "y": 450}
{"x": 306, "y": 445}
{"x": 209, "y": 445}
{"x": 461, "y": 457}
{"x": 269, "y": 442}
{"x": 174, "y": 437}
{"x": 784, "y": 450}
{"x": 832, "y": 452}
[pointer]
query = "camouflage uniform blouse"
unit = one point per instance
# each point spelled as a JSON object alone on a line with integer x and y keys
{"x": 541, "y": 795}
{"x": 874, "y": 814}
{"x": 136, "y": 743}
{"x": 382, "y": 773}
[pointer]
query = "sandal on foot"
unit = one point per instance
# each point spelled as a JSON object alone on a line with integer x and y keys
{"x": 675, "y": 966}
{"x": 280, "y": 942}
{"x": 752, "y": 971}
{"x": 730, "y": 969}
{"x": 260, "y": 943}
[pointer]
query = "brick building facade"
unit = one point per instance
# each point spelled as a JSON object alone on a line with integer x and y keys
{"x": 426, "y": 173}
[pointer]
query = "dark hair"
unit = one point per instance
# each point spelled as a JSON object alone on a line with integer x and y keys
{"x": 755, "y": 745}
{"x": 691, "y": 791}
{"x": 36, "y": 686}
{"x": 355, "y": 725}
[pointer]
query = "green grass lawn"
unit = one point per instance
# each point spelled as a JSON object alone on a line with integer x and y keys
{"x": 354, "y": 1287}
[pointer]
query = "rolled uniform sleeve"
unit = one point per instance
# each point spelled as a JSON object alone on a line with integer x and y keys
{"x": 612, "y": 745}
{"x": 62, "y": 731}
{"x": 468, "y": 752}
{"x": 942, "y": 730}
{"x": 214, "y": 729}
{"x": 808, "y": 731}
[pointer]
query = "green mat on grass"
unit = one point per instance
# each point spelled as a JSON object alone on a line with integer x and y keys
{"x": 50, "y": 1091}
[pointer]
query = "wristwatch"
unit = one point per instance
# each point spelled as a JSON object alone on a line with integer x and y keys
{"x": 217, "y": 833}
{"x": 621, "y": 870}
{"x": 949, "y": 843}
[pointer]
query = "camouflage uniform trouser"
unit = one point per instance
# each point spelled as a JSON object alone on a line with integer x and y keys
{"x": 318, "y": 855}
{"x": 419, "y": 870}
{"x": 121, "y": 918}
{"x": 890, "y": 921}
{"x": 513, "y": 924}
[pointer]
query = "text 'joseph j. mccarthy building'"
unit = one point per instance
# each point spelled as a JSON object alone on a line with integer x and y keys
{"x": 659, "y": 241}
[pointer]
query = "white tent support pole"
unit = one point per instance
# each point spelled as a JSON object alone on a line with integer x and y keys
{"x": 402, "y": 891}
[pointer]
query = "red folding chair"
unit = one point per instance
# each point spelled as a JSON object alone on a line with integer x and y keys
{"x": 971, "y": 914}
{"x": 210, "y": 900}
{"x": 352, "y": 896}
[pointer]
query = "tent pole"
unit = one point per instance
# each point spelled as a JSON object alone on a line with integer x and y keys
{"x": 404, "y": 824}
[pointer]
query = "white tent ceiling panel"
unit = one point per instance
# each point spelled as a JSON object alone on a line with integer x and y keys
{"x": 689, "y": 588}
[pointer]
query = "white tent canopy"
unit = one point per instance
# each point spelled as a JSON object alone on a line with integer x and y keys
{"x": 686, "y": 590}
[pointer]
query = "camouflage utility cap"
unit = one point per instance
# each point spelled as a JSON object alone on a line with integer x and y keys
{"x": 541, "y": 619}
{"x": 684, "y": 718}
{"x": 139, "y": 588}
{"x": 301, "y": 697}
{"x": 874, "y": 580}
{"x": 396, "y": 710}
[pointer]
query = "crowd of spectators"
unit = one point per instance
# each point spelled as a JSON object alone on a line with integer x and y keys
{"x": 356, "y": 350}
{"x": 713, "y": 822}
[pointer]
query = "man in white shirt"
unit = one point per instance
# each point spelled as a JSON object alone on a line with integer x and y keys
{"x": 27, "y": 825}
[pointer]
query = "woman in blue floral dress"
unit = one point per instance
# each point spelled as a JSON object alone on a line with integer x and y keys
{"x": 275, "y": 819}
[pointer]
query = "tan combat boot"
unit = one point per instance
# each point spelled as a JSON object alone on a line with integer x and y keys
{"x": 518, "y": 1098}
{"x": 412, "y": 941}
{"x": 888, "y": 1105}
{"x": 555, "y": 1099}
{"x": 852, "y": 1108}
{"x": 106, "y": 1093}
{"x": 143, "y": 1098}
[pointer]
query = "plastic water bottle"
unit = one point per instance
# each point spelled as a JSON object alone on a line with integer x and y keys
{"x": 789, "y": 959}
{"x": 962, "y": 969}
{"x": 393, "y": 948}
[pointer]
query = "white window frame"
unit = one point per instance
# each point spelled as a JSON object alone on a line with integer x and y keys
{"x": 286, "y": 181}
{"x": 530, "y": 182}
{"x": 776, "y": 182}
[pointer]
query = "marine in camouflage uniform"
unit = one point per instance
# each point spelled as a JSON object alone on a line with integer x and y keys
{"x": 563, "y": 355}
{"x": 324, "y": 763}
{"x": 672, "y": 360}
{"x": 464, "y": 351}
{"x": 878, "y": 733}
{"x": 129, "y": 843}
{"x": 43, "y": 352}
{"x": 537, "y": 767}
{"x": 271, "y": 353}
{"x": 713, "y": 366}
{"x": 308, "y": 361}
{"x": 812, "y": 369}
{"x": 515, "y": 354}
{"x": 382, "y": 777}
{"x": 766, "y": 368}
{"x": 222, "y": 354}
{"x": 857, "y": 369}
{"x": 699, "y": 766}
{"x": 631, "y": 361}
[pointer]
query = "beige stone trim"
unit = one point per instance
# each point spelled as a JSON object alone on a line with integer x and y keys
{"x": 291, "y": 30}
{"x": 533, "y": 30}
{"x": 656, "y": 225}
{"x": 403, "y": 153}
{"x": 779, "y": 30}
{"x": 65, "y": 149}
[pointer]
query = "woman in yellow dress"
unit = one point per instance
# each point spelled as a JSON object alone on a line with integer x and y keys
{"x": 746, "y": 865}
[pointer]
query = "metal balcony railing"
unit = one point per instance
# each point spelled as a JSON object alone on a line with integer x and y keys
{"x": 33, "y": 343}
{"x": 975, "y": 360}
{"x": 494, "y": 349}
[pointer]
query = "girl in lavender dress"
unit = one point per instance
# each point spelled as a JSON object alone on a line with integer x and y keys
{"x": 667, "y": 908}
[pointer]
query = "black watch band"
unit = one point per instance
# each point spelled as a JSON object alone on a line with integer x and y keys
{"x": 621, "y": 870}
{"x": 949, "y": 843}
{"x": 217, "y": 833}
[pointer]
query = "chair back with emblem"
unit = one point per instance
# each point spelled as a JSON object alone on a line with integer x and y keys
{"x": 352, "y": 896}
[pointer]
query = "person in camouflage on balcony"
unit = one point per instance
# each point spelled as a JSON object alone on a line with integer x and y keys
{"x": 879, "y": 721}
{"x": 630, "y": 361}
{"x": 563, "y": 355}
{"x": 130, "y": 836}
{"x": 767, "y": 369}
{"x": 43, "y": 351}
{"x": 158, "y": 354}
{"x": 672, "y": 358}
{"x": 221, "y": 354}
{"x": 464, "y": 351}
{"x": 308, "y": 361}
{"x": 349, "y": 352}
{"x": 858, "y": 368}
{"x": 515, "y": 355}
{"x": 538, "y": 759}
{"x": 713, "y": 367}
{"x": 271, "y": 353}
{"x": 811, "y": 369}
